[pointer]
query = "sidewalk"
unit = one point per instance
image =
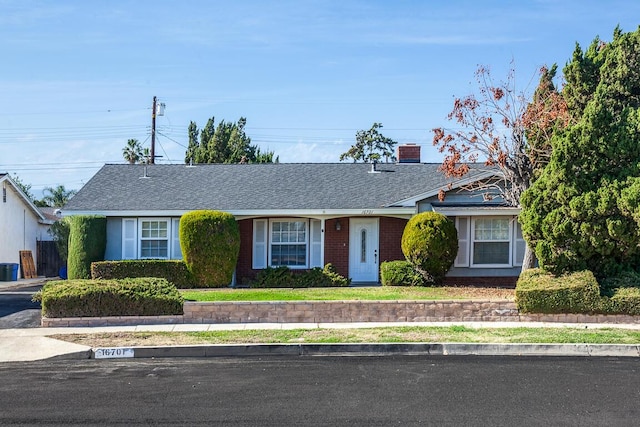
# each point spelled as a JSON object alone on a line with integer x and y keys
{"x": 36, "y": 344}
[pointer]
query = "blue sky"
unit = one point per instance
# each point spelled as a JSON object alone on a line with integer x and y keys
{"x": 77, "y": 78}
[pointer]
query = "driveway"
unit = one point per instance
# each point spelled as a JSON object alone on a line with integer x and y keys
{"x": 17, "y": 310}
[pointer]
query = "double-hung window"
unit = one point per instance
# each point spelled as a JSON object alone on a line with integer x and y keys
{"x": 491, "y": 241}
{"x": 154, "y": 238}
{"x": 289, "y": 243}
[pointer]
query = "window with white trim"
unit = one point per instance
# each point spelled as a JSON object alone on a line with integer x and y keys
{"x": 491, "y": 241}
{"x": 288, "y": 243}
{"x": 154, "y": 238}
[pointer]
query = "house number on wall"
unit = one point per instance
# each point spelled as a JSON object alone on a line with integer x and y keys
{"x": 367, "y": 212}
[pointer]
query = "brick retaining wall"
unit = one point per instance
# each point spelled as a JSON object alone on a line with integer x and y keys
{"x": 341, "y": 312}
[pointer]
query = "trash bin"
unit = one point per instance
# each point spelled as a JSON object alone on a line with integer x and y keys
{"x": 5, "y": 272}
{"x": 8, "y": 272}
{"x": 14, "y": 272}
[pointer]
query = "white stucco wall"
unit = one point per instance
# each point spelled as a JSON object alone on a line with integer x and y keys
{"x": 19, "y": 228}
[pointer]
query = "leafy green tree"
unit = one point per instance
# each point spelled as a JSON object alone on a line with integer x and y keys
{"x": 371, "y": 146}
{"x": 132, "y": 152}
{"x": 25, "y": 188}
{"x": 225, "y": 143}
{"x": 584, "y": 210}
{"x": 57, "y": 197}
{"x": 60, "y": 230}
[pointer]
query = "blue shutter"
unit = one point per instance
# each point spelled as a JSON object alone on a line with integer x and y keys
{"x": 176, "y": 251}
{"x": 129, "y": 238}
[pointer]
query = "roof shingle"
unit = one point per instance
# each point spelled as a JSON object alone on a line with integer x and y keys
{"x": 255, "y": 186}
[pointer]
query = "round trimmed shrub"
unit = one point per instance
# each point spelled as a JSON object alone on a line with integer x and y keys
{"x": 87, "y": 243}
{"x": 210, "y": 243}
{"x": 430, "y": 244}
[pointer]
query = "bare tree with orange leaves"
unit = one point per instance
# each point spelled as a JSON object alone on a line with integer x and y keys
{"x": 500, "y": 127}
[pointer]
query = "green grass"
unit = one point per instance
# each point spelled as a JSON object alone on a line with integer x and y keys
{"x": 452, "y": 334}
{"x": 335, "y": 294}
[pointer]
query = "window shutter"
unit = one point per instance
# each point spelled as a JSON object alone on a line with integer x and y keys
{"x": 129, "y": 238}
{"x": 259, "y": 244}
{"x": 176, "y": 251}
{"x": 315, "y": 244}
{"x": 520, "y": 245}
{"x": 462, "y": 225}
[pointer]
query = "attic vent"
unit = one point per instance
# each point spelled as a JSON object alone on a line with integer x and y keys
{"x": 4, "y": 194}
{"x": 373, "y": 167}
{"x": 144, "y": 173}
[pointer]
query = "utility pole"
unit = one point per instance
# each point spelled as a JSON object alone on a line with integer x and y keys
{"x": 152, "y": 160}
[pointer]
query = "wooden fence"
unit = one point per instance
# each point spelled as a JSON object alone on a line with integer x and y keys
{"x": 49, "y": 262}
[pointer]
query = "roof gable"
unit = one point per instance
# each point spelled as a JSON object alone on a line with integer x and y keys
{"x": 6, "y": 180}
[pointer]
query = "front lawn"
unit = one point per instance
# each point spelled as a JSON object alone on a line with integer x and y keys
{"x": 456, "y": 333}
{"x": 383, "y": 293}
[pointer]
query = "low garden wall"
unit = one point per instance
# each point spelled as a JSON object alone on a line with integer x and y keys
{"x": 341, "y": 312}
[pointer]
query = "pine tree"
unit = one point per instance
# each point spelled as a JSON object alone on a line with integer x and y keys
{"x": 584, "y": 210}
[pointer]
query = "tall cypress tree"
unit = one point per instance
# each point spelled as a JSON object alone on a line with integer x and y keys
{"x": 582, "y": 213}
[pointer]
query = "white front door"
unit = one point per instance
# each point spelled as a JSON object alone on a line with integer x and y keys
{"x": 363, "y": 249}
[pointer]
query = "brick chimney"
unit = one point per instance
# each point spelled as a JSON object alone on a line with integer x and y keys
{"x": 408, "y": 153}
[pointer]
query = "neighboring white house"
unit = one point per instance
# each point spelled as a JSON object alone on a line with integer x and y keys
{"x": 21, "y": 223}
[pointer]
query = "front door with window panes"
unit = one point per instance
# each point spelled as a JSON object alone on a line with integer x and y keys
{"x": 363, "y": 249}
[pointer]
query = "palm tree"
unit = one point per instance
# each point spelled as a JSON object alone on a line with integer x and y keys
{"x": 132, "y": 152}
{"x": 145, "y": 156}
{"x": 57, "y": 197}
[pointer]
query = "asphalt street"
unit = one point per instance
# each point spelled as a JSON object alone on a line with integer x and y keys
{"x": 354, "y": 391}
{"x": 17, "y": 310}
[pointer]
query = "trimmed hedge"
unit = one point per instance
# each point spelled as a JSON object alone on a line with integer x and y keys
{"x": 400, "y": 273}
{"x": 210, "y": 243}
{"x": 625, "y": 300}
{"x": 540, "y": 292}
{"x": 174, "y": 271}
{"x": 283, "y": 277}
{"x": 87, "y": 243}
{"x": 430, "y": 243}
{"x": 98, "y": 298}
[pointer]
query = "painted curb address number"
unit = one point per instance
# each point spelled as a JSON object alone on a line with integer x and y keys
{"x": 113, "y": 353}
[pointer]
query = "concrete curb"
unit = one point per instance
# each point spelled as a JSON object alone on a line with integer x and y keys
{"x": 412, "y": 349}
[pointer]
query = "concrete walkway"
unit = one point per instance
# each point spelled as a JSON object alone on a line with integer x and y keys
{"x": 37, "y": 344}
{"x": 24, "y": 283}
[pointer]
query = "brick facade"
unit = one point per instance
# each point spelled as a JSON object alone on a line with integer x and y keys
{"x": 336, "y": 245}
{"x": 391, "y": 230}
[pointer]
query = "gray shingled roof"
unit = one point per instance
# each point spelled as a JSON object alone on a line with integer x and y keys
{"x": 254, "y": 186}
